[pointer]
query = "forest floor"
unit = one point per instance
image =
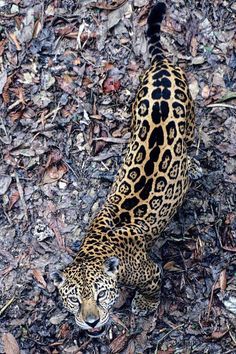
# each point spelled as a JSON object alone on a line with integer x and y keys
{"x": 69, "y": 73}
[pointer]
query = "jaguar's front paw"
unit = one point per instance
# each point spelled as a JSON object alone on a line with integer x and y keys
{"x": 142, "y": 305}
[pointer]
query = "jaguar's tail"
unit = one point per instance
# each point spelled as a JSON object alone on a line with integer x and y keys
{"x": 153, "y": 33}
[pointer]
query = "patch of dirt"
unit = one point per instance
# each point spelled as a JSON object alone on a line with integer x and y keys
{"x": 69, "y": 73}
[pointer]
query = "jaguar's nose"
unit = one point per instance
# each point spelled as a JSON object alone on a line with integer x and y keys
{"x": 92, "y": 321}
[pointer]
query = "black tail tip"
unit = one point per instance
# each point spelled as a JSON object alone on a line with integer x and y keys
{"x": 157, "y": 13}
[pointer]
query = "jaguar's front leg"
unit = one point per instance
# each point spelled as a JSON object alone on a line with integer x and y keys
{"x": 147, "y": 297}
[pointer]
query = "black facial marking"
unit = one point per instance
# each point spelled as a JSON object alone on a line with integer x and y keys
{"x": 156, "y": 115}
{"x": 171, "y": 132}
{"x": 157, "y": 137}
{"x": 146, "y": 189}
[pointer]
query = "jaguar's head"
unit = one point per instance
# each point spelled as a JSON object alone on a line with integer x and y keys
{"x": 89, "y": 290}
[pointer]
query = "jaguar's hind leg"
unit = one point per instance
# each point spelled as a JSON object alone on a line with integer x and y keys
{"x": 147, "y": 297}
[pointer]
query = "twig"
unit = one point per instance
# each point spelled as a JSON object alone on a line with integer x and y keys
{"x": 173, "y": 329}
{"x": 210, "y": 301}
{"x": 3, "y": 309}
{"x": 224, "y": 105}
{"x": 21, "y": 193}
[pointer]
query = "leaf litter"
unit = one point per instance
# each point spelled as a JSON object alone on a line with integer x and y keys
{"x": 69, "y": 73}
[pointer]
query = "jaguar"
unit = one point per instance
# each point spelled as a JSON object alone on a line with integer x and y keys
{"x": 149, "y": 186}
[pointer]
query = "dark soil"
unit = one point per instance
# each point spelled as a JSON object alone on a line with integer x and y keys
{"x": 69, "y": 72}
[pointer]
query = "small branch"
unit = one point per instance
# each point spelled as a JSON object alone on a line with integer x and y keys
{"x": 223, "y": 105}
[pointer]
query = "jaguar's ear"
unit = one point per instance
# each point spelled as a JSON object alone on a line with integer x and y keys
{"x": 58, "y": 278}
{"x": 111, "y": 265}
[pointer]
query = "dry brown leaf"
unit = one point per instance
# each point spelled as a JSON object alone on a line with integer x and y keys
{"x": 2, "y": 46}
{"x": 53, "y": 173}
{"x": 111, "y": 85}
{"x": 131, "y": 348}
{"x": 168, "y": 351}
{"x": 64, "y": 330}
{"x": 172, "y": 266}
{"x": 104, "y": 6}
{"x": 37, "y": 28}
{"x": 39, "y": 277}
{"x": 15, "y": 196}
{"x": 193, "y": 46}
{"x": 119, "y": 343}
{"x": 10, "y": 344}
{"x": 15, "y": 41}
{"x": 206, "y": 92}
{"x": 218, "y": 334}
{"x": 222, "y": 280}
{"x": 230, "y": 218}
{"x": 66, "y": 83}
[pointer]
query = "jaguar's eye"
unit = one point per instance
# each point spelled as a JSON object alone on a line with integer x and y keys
{"x": 74, "y": 299}
{"x": 102, "y": 294}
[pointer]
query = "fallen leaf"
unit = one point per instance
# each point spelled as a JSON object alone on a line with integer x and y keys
{"x": 193, "y": 46}
{"x": 115, "y": 16}
{"x": 39, "y": 277}
{"x": 172, "y": 266}
{"x": 14, "y": 197}
{"x": 54, "y": 173}
{"x": 5, "y": 182}
{"x": 218, "y": 334}
{"x": 111, "y": 85}
{"x": 3, "y": 80}
{"x": 119, "y": 343}
{"x": 10, "y": 344}
{"x": 206, "y": 91}
{"x": 194, "y": 89}
{"x": 15, "y": 41}
{"x": 222, "y": 280}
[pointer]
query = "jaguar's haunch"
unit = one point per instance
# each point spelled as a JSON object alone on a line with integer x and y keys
{"x": 149, "y": 187}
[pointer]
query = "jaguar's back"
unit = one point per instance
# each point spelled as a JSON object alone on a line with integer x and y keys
{"x": 149, "y": 187}
{"x": 153, "y": 179}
